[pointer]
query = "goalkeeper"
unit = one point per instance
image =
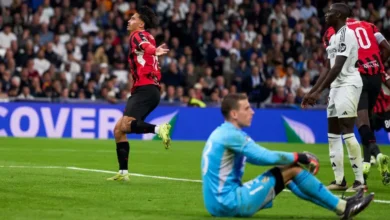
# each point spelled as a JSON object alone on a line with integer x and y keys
{"x": 223, "y": 162}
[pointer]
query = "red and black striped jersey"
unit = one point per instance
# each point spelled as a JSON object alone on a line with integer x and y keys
{"x": 369, "y": 61}
{"x": 143, "y": 66}
{"x": 383, "y": 100}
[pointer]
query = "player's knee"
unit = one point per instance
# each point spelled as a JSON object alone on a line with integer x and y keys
{"x": 347, "y": 125}
{"x": 126, "y": 124}
{"x": 334, "y": 126}
{"x": 117, "y": 130}
{"x": 366, "y": 135}
{"x": 363, "y": 118}
{"x": 290, "y": 172}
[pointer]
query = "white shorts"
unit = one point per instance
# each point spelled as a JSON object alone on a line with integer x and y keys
{"x": 343, "y": 101}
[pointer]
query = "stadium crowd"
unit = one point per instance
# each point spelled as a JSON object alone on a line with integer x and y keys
{"x": 269, "y": 49}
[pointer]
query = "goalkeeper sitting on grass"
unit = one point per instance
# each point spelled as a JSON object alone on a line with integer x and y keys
{"x": 223, "y": 162}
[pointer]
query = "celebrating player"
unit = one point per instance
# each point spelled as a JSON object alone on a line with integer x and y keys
{"x": 223, "y": 161}
{"x": 145, "y": 94}
{"x": 346, "y": 86}
{"x": 371, "y": 69}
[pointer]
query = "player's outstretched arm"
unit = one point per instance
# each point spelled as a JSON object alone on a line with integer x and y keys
{"x": 152, "y": 50}
{"x": 384, "y": 45}
{"x": 258, "y": 155}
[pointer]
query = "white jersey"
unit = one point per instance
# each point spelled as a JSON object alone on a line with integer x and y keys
{"x": 344, "y": 43}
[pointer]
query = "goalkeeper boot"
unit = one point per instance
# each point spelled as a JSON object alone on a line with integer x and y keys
{"x": 335, "y": 186}
{"x": 163, "y": 133}
{"x": 358, "y": 195}
{"x": 119, "y": 177}
{"x": 354, "y": 207}
{"x": 383, "y": 161}
{"x": 366, "y": 170}
{"x": 357, "y": 185}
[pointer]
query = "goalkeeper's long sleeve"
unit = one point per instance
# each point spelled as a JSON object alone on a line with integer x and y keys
{"x": 259, "y": 155}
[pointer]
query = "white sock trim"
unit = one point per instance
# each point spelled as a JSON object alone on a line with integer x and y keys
{"x": 156, "y": 129}
{"x": 123, "y": 172}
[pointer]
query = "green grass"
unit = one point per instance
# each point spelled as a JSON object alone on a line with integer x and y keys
{"x": 37, "y": 193}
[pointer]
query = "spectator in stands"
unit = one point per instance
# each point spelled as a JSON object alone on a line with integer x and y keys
{"x": 70, "y": 50}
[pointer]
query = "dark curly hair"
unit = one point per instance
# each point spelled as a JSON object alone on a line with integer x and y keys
{"x": 148, "y": 16}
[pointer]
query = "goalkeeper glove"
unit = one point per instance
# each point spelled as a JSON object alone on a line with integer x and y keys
{"x": 309, "y": 161}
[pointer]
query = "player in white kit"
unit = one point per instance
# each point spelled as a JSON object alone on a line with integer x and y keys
{"x": 346, "y": 86}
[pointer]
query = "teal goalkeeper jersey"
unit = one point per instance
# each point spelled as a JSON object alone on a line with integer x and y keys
{"x": 223, "y": 161}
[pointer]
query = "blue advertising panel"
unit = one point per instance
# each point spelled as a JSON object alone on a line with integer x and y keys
{"x": 54, "y": 120}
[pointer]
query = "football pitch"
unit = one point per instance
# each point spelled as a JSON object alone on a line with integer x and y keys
{"x": 66, "y": 179}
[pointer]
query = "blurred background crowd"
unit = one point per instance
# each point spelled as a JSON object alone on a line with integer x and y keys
{"x": 77, "y": 50}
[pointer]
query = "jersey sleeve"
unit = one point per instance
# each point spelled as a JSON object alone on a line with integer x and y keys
{"x": 346, "y": 44}
{"x": 374, "y": 28}
{"x": 256, "y": 154}
{"x": 138, "y": 40}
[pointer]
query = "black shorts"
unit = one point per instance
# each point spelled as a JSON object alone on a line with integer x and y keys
{"x": 371, "y": 89}
{"x": 279, "y": 181}
{"x": 379, "y": 121}
{"x": 142, "y": 102}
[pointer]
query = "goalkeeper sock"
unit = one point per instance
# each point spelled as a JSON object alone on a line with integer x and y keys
{"x": 122, "y": 152}
{"x": 295, "y": 189}
{"x": 355, "y": 156}
{"x": 336, "y": 154}
{"x": 317, "y": 192}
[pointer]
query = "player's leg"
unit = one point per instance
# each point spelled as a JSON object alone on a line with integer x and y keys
{"x": 363, "y": 124}
{"x": 346, "y": 104}
{"x": 121, "y": 129}
{"x": 122, "y": 151}
{"x": 311, "y": 189}
{"x": 150, "y": 98}
{"x": 383, "y": 160}
{"x": 147, "y": 99}
{"x": 336, "y": 151}
{"x": 295, "y": 189}
{"x": 138, "y": 107}
{"x": 259, "y": 193}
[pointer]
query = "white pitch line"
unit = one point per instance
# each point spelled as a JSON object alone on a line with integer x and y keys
{"x": 137, "y": 174}
{"x": 34, "y": 167}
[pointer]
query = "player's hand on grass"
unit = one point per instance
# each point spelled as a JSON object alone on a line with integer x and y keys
{"x": 309, "y": 161}
{"x": 161, "y": 50}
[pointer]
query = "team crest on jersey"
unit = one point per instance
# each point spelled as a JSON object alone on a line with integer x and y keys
{"x": 342, "y": 47}
{"x": 331, "y": 51}
{"x": 265, "y": 179}
{"x": 144, "y": 38}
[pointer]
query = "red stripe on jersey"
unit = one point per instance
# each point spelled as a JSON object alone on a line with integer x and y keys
{"x": 382, "y": 102}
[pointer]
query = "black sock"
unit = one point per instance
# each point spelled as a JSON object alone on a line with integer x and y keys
{"x": 374, "y": 149}
{"x": 368, "y": 141}
{"x": 122, "y": 151}
{"x": 140, "y": 127}
{"x": 367, "y": 153}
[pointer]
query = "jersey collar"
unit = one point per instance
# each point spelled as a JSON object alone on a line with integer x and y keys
{"x": 341, "y": 28}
